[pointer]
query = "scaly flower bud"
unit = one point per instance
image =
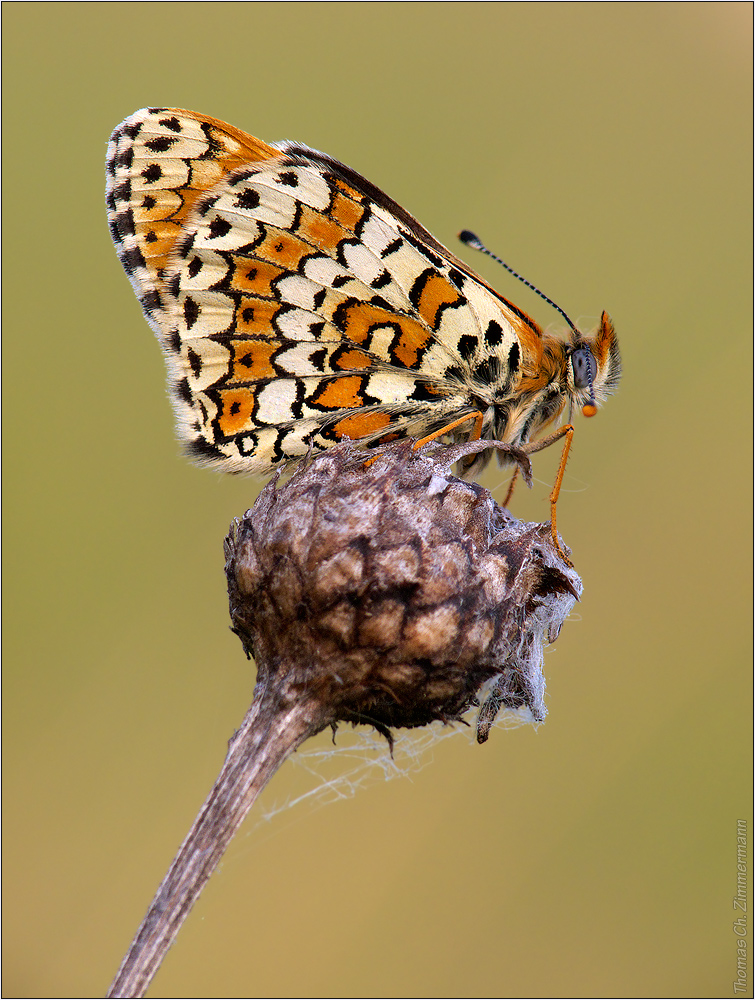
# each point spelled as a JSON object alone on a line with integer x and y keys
{"x": 386, "y": 591}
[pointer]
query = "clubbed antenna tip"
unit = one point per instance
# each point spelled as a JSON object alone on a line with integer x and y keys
{"x": 469, "y": 239}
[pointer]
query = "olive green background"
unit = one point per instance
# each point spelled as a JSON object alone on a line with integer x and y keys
{"x": 602, "y": 149}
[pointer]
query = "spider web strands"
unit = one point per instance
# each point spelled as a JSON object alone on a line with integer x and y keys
{"x": 361, "y": 759}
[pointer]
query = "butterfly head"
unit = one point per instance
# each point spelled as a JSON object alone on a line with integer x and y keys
{"x": 585, "y": 371}
{"x": 594, "y": 367}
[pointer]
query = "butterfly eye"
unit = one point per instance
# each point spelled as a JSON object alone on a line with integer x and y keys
{"x": 584, "y": 366}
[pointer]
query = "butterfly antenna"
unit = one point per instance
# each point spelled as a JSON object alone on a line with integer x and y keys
{"x": 476, "y": 244}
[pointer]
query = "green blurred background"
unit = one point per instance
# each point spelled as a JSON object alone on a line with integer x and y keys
{"x": 602, "y": 149}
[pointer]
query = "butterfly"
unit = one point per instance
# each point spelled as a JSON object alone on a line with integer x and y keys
{"x": 297, "y": 306}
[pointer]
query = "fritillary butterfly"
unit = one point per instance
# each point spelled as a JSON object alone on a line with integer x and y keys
{"x": 298, "y": 305}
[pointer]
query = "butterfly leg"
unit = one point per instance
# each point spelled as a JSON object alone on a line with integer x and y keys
{"x": 510, "y": 491}
{"x": 475, "y": 436}
{"x": 567, "y": 431}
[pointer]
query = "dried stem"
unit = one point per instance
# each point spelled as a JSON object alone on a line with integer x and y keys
{"x": 270, "y": 732}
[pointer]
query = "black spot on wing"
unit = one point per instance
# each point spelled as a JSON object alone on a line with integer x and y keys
{"x": 248, "y": 199}
{"x": 152, "y": 173}
{"x": 289, "y": 178}
{"x": 424, "y": 392}
{"x": 514, "y": 358}
{"x": 203, "y": 450}
{"x": 172, "y": 123}
{"x": 132, "y": 259}
{"x": 183, "y": 391}
{"x": 219, "y": 228}
{"x": 125, "y": 225}
{"x": 383, "y": 279}
{"x": 296, "y": 405}
{"x": 317, "y": 359}
{"x": 456, "y": 278}
{"x": 195, "y": 362}
{"x": 161, "y": 144}
{"x": 468, "y": 345}
{"x": 125, "y": 158}
{"x": 494, "y": 334}
{"x": 191, "y": 311}
{"x": 392, "y": 247}
{"x": 122, "y": 192}
{"x": 151, "y": 302}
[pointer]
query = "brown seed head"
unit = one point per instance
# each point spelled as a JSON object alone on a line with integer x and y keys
{"x": 381, "y": 589}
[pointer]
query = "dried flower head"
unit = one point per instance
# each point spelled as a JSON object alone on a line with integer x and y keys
{"x": 384, "y": 590}
{"x": 379, "y": 590}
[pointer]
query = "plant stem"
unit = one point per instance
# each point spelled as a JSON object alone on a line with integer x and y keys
{"x": 270, "y": 732}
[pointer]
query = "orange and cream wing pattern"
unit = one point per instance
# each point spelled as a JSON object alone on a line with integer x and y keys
{"x": 295, "y": 303}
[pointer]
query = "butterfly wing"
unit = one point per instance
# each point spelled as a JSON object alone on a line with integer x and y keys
{"x": 296, "y": 304}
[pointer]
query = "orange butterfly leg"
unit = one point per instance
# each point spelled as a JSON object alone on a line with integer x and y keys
{"x": 566, "y": 431}
{"x": 476, "y": 416}
{"x": 475, "y": 436}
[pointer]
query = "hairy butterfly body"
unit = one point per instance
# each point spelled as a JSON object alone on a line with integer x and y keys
{"x": 297, "y": 305}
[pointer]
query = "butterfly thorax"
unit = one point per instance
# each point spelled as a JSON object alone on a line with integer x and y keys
{"x": 547, "y": 386}
{"x": 541, "y": 392}
{"x": 517, "y": 410}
